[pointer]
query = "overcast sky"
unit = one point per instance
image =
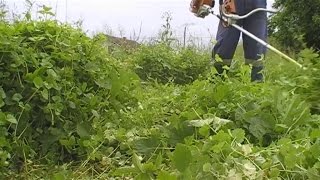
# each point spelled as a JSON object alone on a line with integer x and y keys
{"x": 127, "y": 16}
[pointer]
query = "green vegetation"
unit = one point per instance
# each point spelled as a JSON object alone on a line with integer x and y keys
{"x": 297, "y": 25}
{"x": 71, "y": 109}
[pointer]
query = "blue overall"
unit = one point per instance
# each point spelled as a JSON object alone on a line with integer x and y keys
{"x": 228, "y": 38}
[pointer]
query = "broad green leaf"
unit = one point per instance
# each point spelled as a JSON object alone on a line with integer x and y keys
{"x": 220, "y": 122}
{"x": 200, "y": 123}
{"x": 220, "y": 92}
{"x": 52, "y": 74}
{"x": 234, "y": 175}
{"x": 104, "y": 83}
{"x": 182, "y": 157}
{"x": 159, "y": 160}
{"x": 313, "y": 174}
{"x": 315, "y": 150}
{"x": 315, "y": 134}
{"x": 143, "y": 176}
{"x": 274, "y": 172}
{"x": 249, "y": 169}
{"x": 284, "y": 141}
{"x": 72, "y": 105}
{"x": 281, "y": 128}
{"x": 46, "y": 63}
{"x": 290, "y": 160}
{"x": 205, "y": 130}
{"x": 92, "y": 67}
{"x": 221, "y": 136}
{"x": 68, "y": 143}
{"x": 83, "y": 130}
{"x": 146, "y": 145}
{"x": 260, "y": 160}
{"x": 125, "y": 171}
{"x": 38, "y": 72}
{"x": 59, "y": 176}
{"x": 297, "y": 112}
{"x": 12, "y": 119}
{"x": 258, "y": 127}
{"x": 317, "y": 165}
{"x": 149, "y": 167}
{"x": 246, "y": 149}
{"x": 163, "y": 175}
{"x": 206, "y": 167}
{"x": 38, "y": 82}
{"x": 56, "y": 99}
{"x": 86, "y": 143}
{"x": 239, "y": 135}
{"x": 45, "y": 94}
{"x": 137, "y": 162}
{"x": 4, "y": 143}
{"x": 95, "y": 113}
{"x": 32, "y": 39}
{"x": 17, "y": 97}
{"x": 2, "y": 103}
{"x": 3, "y": 118}
{"x": 215, "y": 122}
{"x": 116, "y": 83}
{"x": 2, "y": 93}
{"x": 217, "y": 148}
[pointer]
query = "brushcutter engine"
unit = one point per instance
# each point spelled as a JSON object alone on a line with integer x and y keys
{"x": 200, "y": 8}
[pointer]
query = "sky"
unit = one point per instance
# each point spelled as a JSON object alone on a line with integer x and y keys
{"x": 129, "y": 18}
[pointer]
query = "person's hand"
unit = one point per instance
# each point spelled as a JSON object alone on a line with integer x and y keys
{"x": 228, "y": 7}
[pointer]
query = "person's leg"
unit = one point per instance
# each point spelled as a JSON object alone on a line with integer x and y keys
{"x": 224, "y": 49}
{"x": 254, "y": 52}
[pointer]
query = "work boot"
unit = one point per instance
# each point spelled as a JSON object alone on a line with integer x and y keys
{"x": 219, "y": 68}
{"x": 256, "y": 74}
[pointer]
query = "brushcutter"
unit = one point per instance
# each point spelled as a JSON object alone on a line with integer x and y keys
{"x": 231, "y": 19}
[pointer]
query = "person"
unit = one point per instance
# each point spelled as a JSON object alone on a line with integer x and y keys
{"x": 228, "y": 37}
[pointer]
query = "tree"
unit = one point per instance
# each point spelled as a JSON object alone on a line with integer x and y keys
{"x": 297, "y": 25}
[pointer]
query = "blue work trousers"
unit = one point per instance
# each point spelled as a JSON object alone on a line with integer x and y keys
{"x": 228, "y": 38}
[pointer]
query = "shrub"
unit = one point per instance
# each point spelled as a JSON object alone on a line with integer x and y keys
{"x": 164, "y": 64}
{"x": 297, "y": 24}
{"x": 58, "y": 88}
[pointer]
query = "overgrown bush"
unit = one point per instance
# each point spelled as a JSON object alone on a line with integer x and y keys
{"x": 303, "y": 81}
{"x": 164, "y": 64}
{"x": 310, "y": 84}
{"x": 58, "y": 89}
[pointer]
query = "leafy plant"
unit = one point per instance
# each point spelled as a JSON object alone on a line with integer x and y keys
{"x": 69, "y": 109}
{"x": 164, "y": 64}
{"x": 296, "y": 24}
{"x": 57, "y": 86}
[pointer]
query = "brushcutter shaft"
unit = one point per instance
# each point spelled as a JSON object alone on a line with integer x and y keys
{"x": 266, "y": 44}
{"x": 231, "y": 20}
{"x": 237, "y": 17}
